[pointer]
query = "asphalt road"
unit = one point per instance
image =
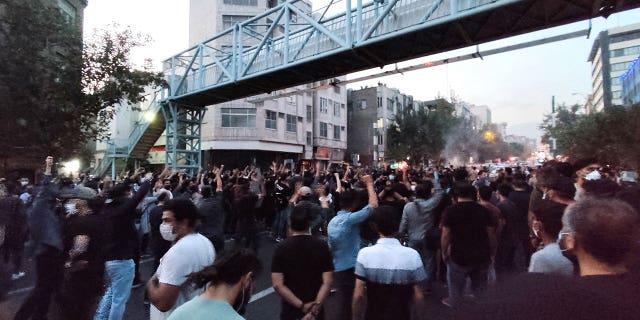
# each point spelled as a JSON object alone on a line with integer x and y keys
{"x": 265, "y": 304}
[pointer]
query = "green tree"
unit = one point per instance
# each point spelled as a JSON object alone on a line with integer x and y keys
{"x": 611, "y": 136}
{"x": 58, "y": 92}
{"x": 420, "y": 134}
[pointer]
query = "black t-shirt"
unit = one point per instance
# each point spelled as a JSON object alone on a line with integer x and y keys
{"x": 468, "y": 222}
{"x": 302, "y": 260}
{"x": 91, "y": 226}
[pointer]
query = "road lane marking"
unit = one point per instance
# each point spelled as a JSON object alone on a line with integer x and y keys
{"x": 261, "y": 294}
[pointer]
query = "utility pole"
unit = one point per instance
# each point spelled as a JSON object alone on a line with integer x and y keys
{"x": 553, "y": 124}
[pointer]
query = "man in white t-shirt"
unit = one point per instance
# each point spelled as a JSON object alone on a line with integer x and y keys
{"x": 191, "y": 252}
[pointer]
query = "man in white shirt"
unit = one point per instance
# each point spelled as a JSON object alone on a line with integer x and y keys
{"x": 547, "y": 223}
{"x": 191, "y": 252}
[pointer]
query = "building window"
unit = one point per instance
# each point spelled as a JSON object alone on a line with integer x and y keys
{"x": 336, "y": 109}
{"x": 271, "y": 119}
{"x": 68, "y": 10}
{"x": 336, "y": 132}
{"x": 336, "y": 89}
{"x": 292, "y": 123}
{"x": 379, "y": 102}
{"x": 390, "y": 104}
{"x": 309, "y": 113}
{"x": 228, "y": 21}
{"x": 323, "y": 130}
{"x": 238, "y": 118}
{"x": 242, "y": 2}
{"x": 620, "y": 66}
{"x": 616, "y": 81}
{"x": 324, "y": 108}
{"x": 363, "y": 104}
{"x": 309, "y": 138}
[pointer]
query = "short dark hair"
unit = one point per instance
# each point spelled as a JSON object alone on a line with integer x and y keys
{"x": 485, "y": 192}
{"x": 383, "y": 220}
{"x": 423, "y": 190}
{"x": 228, "y": 268}
{"x": 348, "y": 199}
{"x": 549, "y": 213}
{"x": 182, "y": 209}
{"x": 300, "y": 218}
{"x": 602, "y": 188}
{"x": 504, "y": 189}
{"x": 607, "y": 229}
{"x": 465, "y": 190}
{"x": 563, "y": 186}
{"x": 206, "y": 191}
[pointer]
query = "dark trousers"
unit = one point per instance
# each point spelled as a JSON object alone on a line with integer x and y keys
{"x": 344, "y": 283}
{"x": 49, "y": 277}
{"x": 13, "y": 252}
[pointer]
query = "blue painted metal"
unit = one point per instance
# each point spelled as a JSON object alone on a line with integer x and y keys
{"x": 262, "y": 58}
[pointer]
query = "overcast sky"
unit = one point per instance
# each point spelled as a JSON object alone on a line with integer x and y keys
{"x": 517, "y": 85}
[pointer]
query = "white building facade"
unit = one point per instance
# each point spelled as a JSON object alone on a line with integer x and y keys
{"x": 612, "y": 53}
{"x": 303, "y": 124}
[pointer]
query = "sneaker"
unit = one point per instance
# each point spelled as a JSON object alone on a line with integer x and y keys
{"x": 18, "y": 275}
{"x": 446, "y": 302}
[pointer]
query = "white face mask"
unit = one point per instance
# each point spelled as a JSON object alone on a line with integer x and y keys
{"x": 593, "y": 175}
{"x": 70, "y": 208}
{"x": 24, "y": 183}
{"x": 166, "y": 231}
{"x": 413, "y": 188}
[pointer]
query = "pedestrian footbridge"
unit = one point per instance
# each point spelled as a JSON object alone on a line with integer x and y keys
{"x": 286, "y": 46}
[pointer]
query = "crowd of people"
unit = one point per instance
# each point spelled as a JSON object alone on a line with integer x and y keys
{"x": 557, "y": 241}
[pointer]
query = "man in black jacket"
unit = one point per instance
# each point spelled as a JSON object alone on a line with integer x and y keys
{"x": 121, "y": 244}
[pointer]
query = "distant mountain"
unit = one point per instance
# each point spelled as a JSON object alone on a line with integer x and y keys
{"x": 528, "y": 129}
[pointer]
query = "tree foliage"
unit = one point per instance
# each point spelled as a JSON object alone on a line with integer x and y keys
{"x": 420, "y": 134}
{"x": 611, "y": 136}
{"x": 439, "y": 133}
{"x": 56, "y": 90}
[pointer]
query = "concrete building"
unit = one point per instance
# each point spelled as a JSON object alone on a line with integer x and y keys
{"x": 371, "y": 111}
{"x": 299, "y": 126}
{"x": 631, "y": 84}
{"x": 481, "y": 114}
{"x": 612, "y": 53}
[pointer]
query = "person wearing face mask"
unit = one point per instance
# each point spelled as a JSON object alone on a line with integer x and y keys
{"x": 85, "y": 263}
{"x": 602, "y": 236}
{"x": 585, "y": 169}
{"x": 546, "y": 225}
{"x": 191, "y": 252}
{"x": 121, "y": 244}
{"x": 228, "y": 284}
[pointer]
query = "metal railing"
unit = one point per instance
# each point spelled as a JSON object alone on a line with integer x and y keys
{"x": 275, "y": 39}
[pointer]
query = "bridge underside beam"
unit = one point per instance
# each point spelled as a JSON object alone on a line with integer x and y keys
{"x": 505, "y": 21}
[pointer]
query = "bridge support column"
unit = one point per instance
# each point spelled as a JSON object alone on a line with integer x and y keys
{"x": 183, "y": 130}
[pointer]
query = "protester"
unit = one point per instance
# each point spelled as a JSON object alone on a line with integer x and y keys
{"x": 168, "y": 287}
{"x": 228, "y": 286}
{"x": 46, "y": 226}
{"x": 85, "y": 261}
{"x": 16, "y": 230}
{"x": 121, "y": 245}
{"x": 302, "y": 269}
{"x": 344, "y": 241}
{"x": 387, "y": 274}
{"x": 468, "y": 245}
{"x": 211, "y": 213}
{"x": 547, "y": 223}
{"x": 420, "y": 223}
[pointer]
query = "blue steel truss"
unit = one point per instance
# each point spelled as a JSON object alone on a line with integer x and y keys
{"x": 285, "y": 46}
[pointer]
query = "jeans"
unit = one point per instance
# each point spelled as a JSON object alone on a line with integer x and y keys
{"x": 49, "y": 277}
{"x": 428, "y": 261}
{"x": 457, "y": 280}
{"x": 118, "y": 277}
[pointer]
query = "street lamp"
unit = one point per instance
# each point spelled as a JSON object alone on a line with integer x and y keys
{"x": 489, "y": 136}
